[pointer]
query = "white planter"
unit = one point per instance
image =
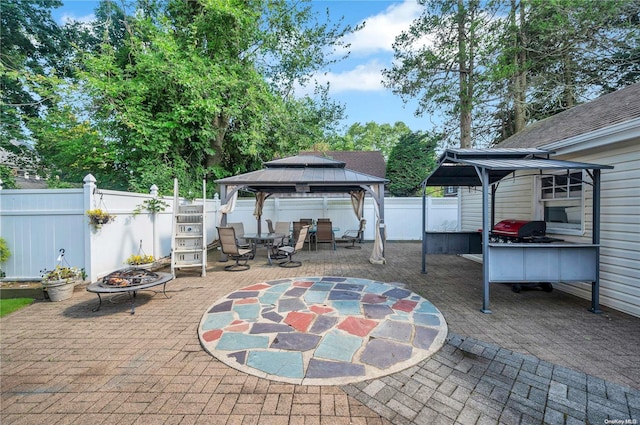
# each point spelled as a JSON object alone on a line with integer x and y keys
{"x": 145, "y": 266}
{"x": 60, "y": 290}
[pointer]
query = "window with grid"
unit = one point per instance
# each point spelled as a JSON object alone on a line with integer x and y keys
{"x": 561, "y": 196}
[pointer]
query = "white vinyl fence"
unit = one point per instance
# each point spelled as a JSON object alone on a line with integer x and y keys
{"x": 37, "y": 223}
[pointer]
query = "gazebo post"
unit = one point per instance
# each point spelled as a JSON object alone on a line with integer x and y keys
{"x": 485, "y": 241}
{"x": 595, "y": 239}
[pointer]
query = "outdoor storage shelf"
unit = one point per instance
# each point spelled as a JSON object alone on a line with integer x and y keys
{"x": 452, "y": 243}
{"x": 533, "y": 262}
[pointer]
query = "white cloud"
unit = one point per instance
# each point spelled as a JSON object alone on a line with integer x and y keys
{"x": 370, "y": 49}
{"x": 380, "y": 30}
{"x": 364, "y": 77}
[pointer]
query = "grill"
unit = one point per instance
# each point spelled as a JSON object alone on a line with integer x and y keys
{"x": 518, "y": 231}
{"x": 521, "y": 231}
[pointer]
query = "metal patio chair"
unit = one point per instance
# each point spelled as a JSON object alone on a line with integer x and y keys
{"x": 230, "y": 247}
{"x": 289, "y": 251}
{"x": 324, "y": 234}
{"x": 354, "y": 235}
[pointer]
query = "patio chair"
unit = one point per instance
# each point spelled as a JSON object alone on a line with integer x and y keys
{"x": 289, "y": 251}
{"x": 297, "y": 227}
{"x": 354, "y": 235}
{"x": 281, "y": 228}
{"x": 324, "y": 234}
{"x": 230, "y": 247}
{"x": 242, "y": 243}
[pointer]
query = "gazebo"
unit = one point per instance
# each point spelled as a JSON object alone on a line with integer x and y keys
{"x": 307, "y": 175}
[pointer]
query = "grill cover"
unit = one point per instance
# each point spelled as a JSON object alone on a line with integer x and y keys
{"x": 520, "y": 228}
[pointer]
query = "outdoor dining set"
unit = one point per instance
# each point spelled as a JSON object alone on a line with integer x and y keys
{"x": 282, "y": 241}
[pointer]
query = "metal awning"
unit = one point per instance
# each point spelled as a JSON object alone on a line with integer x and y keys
{"x": 463, "y": 167}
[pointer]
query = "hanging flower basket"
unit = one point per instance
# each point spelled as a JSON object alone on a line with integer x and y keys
{"x": 98, "y": 217}
{"x": 141, "y": 261}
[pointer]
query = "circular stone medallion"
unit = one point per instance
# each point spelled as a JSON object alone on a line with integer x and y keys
{"x": 322, "y": 330}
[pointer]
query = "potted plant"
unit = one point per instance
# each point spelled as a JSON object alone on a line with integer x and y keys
{"x": 60, "y": 281}
{"x": 5, "y": 253}
{"x": 98, "y": 217}
{"x": 140, "y": 260}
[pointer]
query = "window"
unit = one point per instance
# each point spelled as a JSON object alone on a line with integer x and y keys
{"x": 562, "y": 202}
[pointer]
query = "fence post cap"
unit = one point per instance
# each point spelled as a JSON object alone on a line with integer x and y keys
{"x": 89, "y": 178}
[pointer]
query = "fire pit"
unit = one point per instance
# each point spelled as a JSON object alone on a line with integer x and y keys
{"x": 129, "y": 281}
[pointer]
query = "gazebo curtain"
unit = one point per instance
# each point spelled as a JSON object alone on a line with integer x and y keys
{"x": 257, "y": 212}
{"x": 230, "y": 205}
{"x": 377, "y": 256}
{"x": 357, "y": 201}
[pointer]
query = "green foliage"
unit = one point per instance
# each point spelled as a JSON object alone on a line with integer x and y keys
{"x": 153, "y": 205}
{"x": 5, "y": 253}
{"x": 370, "y": 137}
{"x": 486, "y": 69}
{"x": 8, "y": 180}
{"x": 32, "y": 45}
{"x": 199, "y": 89}
{"x": 410, "y": 162}
{"x": 9, "y": 305}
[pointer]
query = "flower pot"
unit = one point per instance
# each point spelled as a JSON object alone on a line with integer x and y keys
{"x": 60, "y": 290}
{"x": 145, "y": 266}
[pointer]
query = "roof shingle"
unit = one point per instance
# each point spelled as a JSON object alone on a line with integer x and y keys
{"x": 613, "y": 108}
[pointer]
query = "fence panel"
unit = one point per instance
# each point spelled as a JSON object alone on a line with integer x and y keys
{"x": 37, "y": 223}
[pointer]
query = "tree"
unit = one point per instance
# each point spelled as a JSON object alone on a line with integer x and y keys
{"x": 576, "y": 49}
{"x": 8, "y": 180}
{"x": 493, "y": 67}
{"x": 204, "y": 91}
{"x": 32, "y": 45}
{"x": 436, "y": 61}
{"x": 370, "y": 137}
{"x": 410, "y": 162}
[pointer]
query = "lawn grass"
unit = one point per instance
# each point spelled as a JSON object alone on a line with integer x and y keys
{"x": 10, "y": 305}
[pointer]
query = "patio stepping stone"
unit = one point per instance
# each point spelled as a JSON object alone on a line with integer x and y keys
{"x": 322, "y": 330}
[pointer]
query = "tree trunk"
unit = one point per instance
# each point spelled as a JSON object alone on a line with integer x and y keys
{"x": 221, "y": 124}
{"x": 465, "y": 79}
{"x": 520, "y": 80}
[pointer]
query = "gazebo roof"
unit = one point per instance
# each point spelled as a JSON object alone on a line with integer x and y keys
{"x": 302, "y": 174}
{"x": 460, "y": 167}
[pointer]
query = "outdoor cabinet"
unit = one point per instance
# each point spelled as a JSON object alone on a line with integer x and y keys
{"x": 542, "y": 262}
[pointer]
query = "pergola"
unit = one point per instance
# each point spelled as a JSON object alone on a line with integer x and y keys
{"x": 307, "y": 175}
{"x": 515, "y": 262}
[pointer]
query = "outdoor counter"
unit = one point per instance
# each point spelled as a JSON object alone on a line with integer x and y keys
{"x": 542, "y": 262}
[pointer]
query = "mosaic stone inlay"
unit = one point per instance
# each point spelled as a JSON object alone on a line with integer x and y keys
{"x": 322, "y": 330}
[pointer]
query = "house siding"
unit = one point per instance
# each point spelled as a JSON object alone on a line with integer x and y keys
{"x": 619, "y": 221}
{"x": 514, "y": 200}
{"x": 619, "y": 228}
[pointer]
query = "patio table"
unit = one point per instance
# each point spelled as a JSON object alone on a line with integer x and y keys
{"x": 266, "y": 238}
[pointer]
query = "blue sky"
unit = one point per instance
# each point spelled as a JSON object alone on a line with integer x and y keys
{"x": 356, "y": 81}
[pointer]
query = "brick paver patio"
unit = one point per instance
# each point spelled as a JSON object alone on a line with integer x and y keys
{"x": 539, "y": 358}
